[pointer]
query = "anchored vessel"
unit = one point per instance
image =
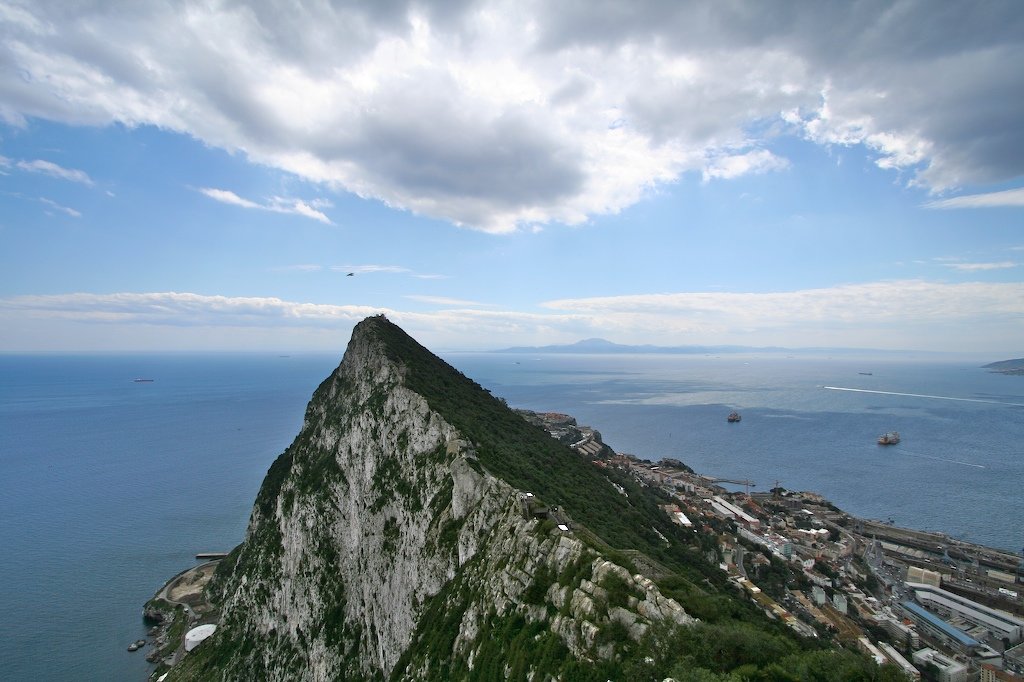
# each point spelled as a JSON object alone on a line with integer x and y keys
{"x": 890, "y": 438}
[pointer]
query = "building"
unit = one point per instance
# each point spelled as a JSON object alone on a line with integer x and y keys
{"x": 939, "y": 630}
{"x": 676, "y": 515}
{"x": 773, "y": 542}
{"x": 1013, "y": 659}
{"x": 865, "y": 645}
{"x": 899, "y": 631}
{"x": 993, "y": 623}
{"x": 990, "y": 673}
{"x": 196, "y": 635}
{"x": 916, "y": 574}
{"x": 948, "y": 670}
{"x": 897, "y": 659}
{"x": 727, "y": 509}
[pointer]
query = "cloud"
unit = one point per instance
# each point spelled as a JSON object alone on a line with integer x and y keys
{"x": 856, "y": 310}
{"x": 975, "y": 267}
{"x": 228, "y": 197}
{"x": 442, "y": 300}
{"x": 366, "y": 269}
{"x": 298, "y": 207}
{"x": 1006, "y": 198}
{"x": 502, "y": 115}
{"x": 57, "y": 207}
{"x": 908, "y": 314}
{"x": 185, "y": 309}
{"x": 275, "y": 205}
{"x": 736, "y": 165}
{"x": 55, "y": 171}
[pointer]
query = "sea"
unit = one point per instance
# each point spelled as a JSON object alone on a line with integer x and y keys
{"x": 109, "y": 486}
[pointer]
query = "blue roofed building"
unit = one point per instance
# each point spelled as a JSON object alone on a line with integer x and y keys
{"x": 933, "y": 627}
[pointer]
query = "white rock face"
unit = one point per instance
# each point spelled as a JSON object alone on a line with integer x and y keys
{"x": 383, "y": 504}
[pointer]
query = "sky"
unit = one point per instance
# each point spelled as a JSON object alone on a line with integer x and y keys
{"x": 262, "y": 175}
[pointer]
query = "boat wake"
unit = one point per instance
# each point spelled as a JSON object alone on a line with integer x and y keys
{"x": 921, "y": 395}
{"x": 943, "y": 459}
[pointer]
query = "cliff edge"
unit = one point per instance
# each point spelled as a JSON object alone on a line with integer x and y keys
{"x": 419, "y": 529}
{"x": 383, "y": 545}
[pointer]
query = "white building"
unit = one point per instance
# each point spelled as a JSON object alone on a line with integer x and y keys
{"x": 916, "y": 574}
{"x": 195, "y": 636}
{"x": 734, "y": 512}
{"x": 998, "y": 624}
{"x": 899, "y": 661}
{"x": 948, "y": 669}
{"x": 871, "y": 650}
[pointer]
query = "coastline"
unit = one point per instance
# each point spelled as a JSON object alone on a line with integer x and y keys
{"x": 175, "y": 609}
{"x": 862, "y": 562}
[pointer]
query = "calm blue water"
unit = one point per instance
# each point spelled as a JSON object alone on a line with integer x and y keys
{"x": 108, "y": 487}
{"x": 958, "y": 469}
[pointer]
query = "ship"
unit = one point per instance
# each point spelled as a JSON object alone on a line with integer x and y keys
{"x": 890, "y": 438}
{"x": 142, "y": 381}
{"x": 733, "y": 417}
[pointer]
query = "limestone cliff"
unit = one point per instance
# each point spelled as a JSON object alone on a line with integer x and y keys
{"x": 384, "y": 545}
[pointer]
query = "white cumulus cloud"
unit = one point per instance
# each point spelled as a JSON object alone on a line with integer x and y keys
{"x": 907, "y": 314}
{"x": 735, "y": 165}
{"x": 55, "y": 171}
{"x": 1013, "y": 198}
{"x": 507, "y": 114}
{"x": 275, "y": 205}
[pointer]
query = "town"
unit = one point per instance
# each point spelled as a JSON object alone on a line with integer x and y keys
{"x": 938, "y": 608}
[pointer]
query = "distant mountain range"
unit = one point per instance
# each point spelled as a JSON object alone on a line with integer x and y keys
{"x": 603, "y": 346}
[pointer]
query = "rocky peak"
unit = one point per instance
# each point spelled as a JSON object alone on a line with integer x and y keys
{"x": 393, "y": 538}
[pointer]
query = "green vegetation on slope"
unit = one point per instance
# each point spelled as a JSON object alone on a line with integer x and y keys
{"x": 528, "y": 458}
{"x": 734, "y": 642}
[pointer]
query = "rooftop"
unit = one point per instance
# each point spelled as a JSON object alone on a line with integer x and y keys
{"x": 955, "y": 633}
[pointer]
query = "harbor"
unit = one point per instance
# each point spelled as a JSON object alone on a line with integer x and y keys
{"x": 916, "y": 599}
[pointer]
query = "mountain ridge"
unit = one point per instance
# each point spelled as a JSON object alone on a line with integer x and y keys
{"x": 417, "y": 528}
{"x": 1013, "y": 366}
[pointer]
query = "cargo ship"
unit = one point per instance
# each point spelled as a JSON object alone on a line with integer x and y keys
{"x": 890, "y": 438}
{"x": 733, "y": 417}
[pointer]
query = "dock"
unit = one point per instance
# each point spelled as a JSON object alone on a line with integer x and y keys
{"x": 211, "y": 555}
{"x": 735, "y": 481}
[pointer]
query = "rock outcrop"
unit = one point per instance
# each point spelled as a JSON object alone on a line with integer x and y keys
{"x": 383, "y": 545}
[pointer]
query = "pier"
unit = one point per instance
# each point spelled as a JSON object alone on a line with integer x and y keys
{"x": 734, "y": 481}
